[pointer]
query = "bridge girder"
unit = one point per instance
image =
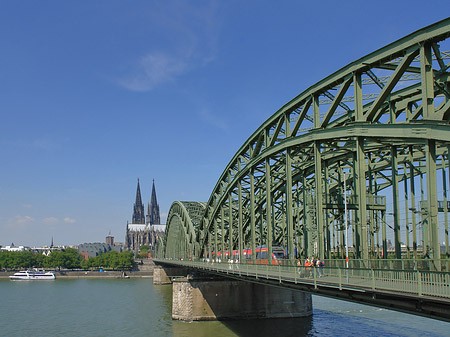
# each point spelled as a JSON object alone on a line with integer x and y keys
{"x": 381, "y": 121}
{"x": 180, "y": 239}
{"x": 397, "y": 124}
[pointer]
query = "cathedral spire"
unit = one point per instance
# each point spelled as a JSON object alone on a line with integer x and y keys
{"x": 153, "y": 217}
{"x": 138, "y": 211}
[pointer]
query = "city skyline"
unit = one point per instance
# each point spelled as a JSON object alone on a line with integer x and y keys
{"x": 96, "y": 95}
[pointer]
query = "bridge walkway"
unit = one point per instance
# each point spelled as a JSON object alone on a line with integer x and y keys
{"x": 420, "y": 292}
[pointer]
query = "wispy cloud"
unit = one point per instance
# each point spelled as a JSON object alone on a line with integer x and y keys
{"x": 190, "y": 31}
{"x": 50, "y": 220}
{"x": 153, "y": 70}
{"x": 19, "y": 221}
{"x": 209, "y": 118}
{"x": 23, "y": 219}
{"x": 54, "y": 220}
{"x": 69, "y": 220}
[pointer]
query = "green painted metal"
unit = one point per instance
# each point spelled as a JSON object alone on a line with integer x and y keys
{"x": 413, "y": 200}
{"x": 360, "y": 177}
{"x": 384, "y": 120}
{"x": 268, "y": 200}
{"x": 181, "y": 239}
{"x": 446, "y": 209}
{"x": 289, "y": 206}
{"x": 432, "y": 201}
{"x": 395, "y": 201}
{"x": 410, "y": 282}
{"x": 319, "y": 202}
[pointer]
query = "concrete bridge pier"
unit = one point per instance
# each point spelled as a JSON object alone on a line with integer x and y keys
{"x": 222, "y": 299}
{"x": 165, "y": 275}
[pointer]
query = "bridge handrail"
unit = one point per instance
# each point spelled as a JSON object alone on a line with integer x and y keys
{"x": 391, "y": 264}
{"x": 414, "y": 282}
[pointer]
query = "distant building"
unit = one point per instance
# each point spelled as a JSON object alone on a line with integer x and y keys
{"x": 138, "y": 210}
{"x": 110, "y": 240}
{"x": 97, "y": 248}
{"x": 13, "y": 248}
{"x": 88, "y": 250}
{"x": 141, "y": 232}
{"x": 153, "y": 217}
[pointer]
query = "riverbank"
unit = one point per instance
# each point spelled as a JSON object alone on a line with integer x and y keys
{"x": 144, "y": 268}
{"x": 90, "y": 274}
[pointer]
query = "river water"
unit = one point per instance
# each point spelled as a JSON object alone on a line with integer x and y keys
{"x": 135, "y": 307}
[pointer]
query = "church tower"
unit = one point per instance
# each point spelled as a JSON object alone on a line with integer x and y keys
{"x": 153, "y": 217}
{"x": 138, "y": 211}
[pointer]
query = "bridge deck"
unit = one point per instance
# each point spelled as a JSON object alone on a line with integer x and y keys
{"x": 418, "y": 292}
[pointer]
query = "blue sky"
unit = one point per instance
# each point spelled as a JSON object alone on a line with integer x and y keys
{"x": 96, "y": 94}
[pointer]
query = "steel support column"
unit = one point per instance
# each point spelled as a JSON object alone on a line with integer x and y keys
{"x": 307, "y": 230}
{"x": 444, "y": 188}
{"x": 268, "y": 209}
{"x": 432, "y": 202}
{"x": 358, "y": 96}
{"x": 395, "y": 201}
{"x": 289, "y": 215}
{"x": 413, "y": 200}
{"x": 240, "y": 223}
{"x": 426, "y": 73}
{"x": 230, "y": 225}
{"x": 252, "y": 215}
{"x": 222, "y": 219}
{"x": 319, "y": 202}
{"x": 405, "y": 184}
{"x": 362, "y": 251}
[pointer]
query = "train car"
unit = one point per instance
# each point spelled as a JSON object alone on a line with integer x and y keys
{"x": 262, "y": 256}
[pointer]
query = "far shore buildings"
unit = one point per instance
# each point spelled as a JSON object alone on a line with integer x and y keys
{"x": 93, "y": 249}
{"x": 144, "y": 229}
{"x": 46, "y": 250}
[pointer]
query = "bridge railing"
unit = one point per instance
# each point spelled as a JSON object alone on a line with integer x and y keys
{"x": 414, "y": 282}
{"x": 391, "y": 264}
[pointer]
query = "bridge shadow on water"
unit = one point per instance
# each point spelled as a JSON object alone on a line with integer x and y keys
{"x": 354, "y": 322}
{"x": 254, "y": 327}
{"x": 330, "y": 318}
{"x": 272, "y": 327}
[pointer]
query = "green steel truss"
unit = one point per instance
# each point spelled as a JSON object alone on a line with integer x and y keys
{"x": 183, "y": 221}
{"x": 383, "y": 123}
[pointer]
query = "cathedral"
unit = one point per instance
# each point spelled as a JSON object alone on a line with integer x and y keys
{"x": 144, "y": 229}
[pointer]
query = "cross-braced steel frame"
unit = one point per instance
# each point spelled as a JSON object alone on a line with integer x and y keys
{"x": 181, "y": 232}
{"x": 356, "y": 161}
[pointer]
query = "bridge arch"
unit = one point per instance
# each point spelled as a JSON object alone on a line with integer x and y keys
{"x": 359, "y": 134}
{"x": 180, "y": 240}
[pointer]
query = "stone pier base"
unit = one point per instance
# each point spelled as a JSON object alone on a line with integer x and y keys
{"x": 198, "y": 300}
{"x": 165, "y": 275}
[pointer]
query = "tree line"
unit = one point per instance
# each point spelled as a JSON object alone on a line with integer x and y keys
{"x": 65, "y": 259}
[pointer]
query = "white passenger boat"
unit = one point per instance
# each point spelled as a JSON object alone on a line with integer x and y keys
{"x": 32, "y": 275}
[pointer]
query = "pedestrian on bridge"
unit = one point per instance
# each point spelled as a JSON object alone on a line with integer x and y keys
{"x": 308, "y": 265}
{"x": 299, "y": 267}
{"x": 319, "y": 265}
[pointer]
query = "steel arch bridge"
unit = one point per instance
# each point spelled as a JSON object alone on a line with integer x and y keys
{"x": 323, "y": 172}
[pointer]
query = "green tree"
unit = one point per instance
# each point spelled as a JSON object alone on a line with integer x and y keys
{"x": 73, "y": 258}
{"x": 68, "y": 259}
{"x": 110, "y": 260}
{"x": 126, "y": 260}
{"x": 21, "y": 260}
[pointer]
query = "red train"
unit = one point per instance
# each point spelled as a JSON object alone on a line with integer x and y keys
{"x": 262, "y": 256}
